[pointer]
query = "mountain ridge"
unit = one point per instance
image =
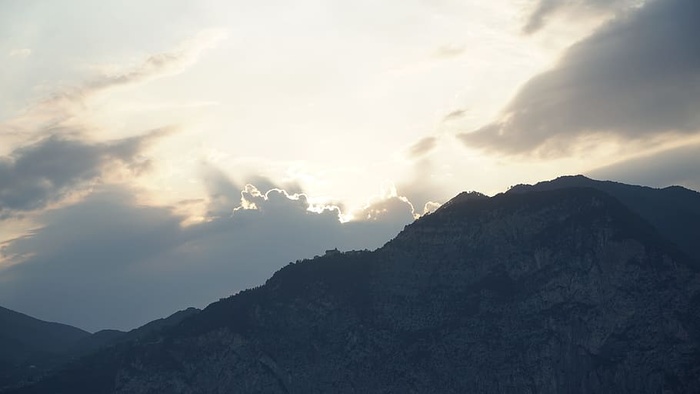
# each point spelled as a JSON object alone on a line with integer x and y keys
{"x": 30, "y": 354}
{"x": 27, "y": 342}
{"x": 550, "y": 291}
{"x": 35, "y": 334}
{"x": 673, "y": 210}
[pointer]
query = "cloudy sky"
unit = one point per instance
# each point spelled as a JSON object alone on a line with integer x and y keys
{"x": 163, "y": 154}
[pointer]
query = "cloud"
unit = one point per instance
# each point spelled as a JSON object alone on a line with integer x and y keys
{"x": 421, "y": 187}
{"x": 634, "y": 79}
{"x": 545, "y": 9}
{"x": 156, "y": 65}
{"x": 676, "y": 166}
{"x": 53, "y": 155}
{"x": 454, "y": 115}
{"x": 426, "y": 145}
{"x": 47, "y": 171}
{"x": 109, "y": 261}
{"x": 388, "y": 205}
{"x": 84, "y": 259}
{"x": 224, "y": 194}
{"x": 20, "y": 53}
{"x": 422, "y": 147}
{"x": 68, "y": 104}
{"x": 450, "y": 51}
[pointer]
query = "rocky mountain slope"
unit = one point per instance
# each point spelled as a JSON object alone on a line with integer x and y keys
{"x": 674, "y": 210}
{"x": 565, "y": 290}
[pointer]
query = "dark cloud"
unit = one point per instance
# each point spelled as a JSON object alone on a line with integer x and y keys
{"x": 422, "y": 147}
{"x": 88, "y": 261}
{"x": 33, "y": 176}
{"x": 456, "y": 114}
{"x": 109, "y": 261}
{"x": 38, "y": 173}
{"x": 545, "y": 9}
{"x": 636, "y": 78}
{"x": 677, "y": 166}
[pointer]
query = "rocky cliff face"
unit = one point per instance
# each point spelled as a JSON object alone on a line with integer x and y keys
{"x": 543, "y": 292}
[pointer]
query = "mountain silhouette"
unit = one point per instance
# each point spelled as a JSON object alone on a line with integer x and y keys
{"x": 31, "y": 348}
{"x": 27, "y": 343}
{"x": 549, "y": 288}
{"x": 674, "y": 210}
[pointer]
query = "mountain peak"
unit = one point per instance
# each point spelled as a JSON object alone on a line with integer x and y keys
{"x": 464, "y": 197}
{"x": 674, "y": 211}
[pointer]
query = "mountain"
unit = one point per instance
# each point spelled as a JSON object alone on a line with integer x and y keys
{"x": 107, "y": 338}
{"x": 674, "y": 211}
{"x": 32, "y": 348}
{"x": 565, "y": 290}
{"x": 26, "y": 342}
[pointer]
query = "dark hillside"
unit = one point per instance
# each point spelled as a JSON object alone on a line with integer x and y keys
{"x": 674, "y": 210}
{"x": 555, "y": 291}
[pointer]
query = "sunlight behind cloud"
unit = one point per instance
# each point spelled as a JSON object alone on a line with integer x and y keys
{"x": 324, "y": 77}
{"x": 228, "y": 126}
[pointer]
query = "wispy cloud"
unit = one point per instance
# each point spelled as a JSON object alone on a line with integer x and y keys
{"x": 155, "y": 66}
{"x": 450, "y": 51}
{"x": 67, "y": 105}
{"x": 454, "y": 115}
{"x": 422, "y": 147}
{"x": 20, "y": 53}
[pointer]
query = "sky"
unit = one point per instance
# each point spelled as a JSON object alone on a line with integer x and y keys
{"x": 163, "y": 154}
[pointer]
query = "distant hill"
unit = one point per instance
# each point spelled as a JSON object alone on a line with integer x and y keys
{"x": 31, "y": 348}
{"x": 559, "y": 291}
{"x": 22, "y": 337}
{"x": 106, "y": 338}
{"x": 26, "y": 342}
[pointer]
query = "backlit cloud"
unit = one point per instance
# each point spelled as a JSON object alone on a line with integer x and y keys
{"x": 110, "y": 261}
